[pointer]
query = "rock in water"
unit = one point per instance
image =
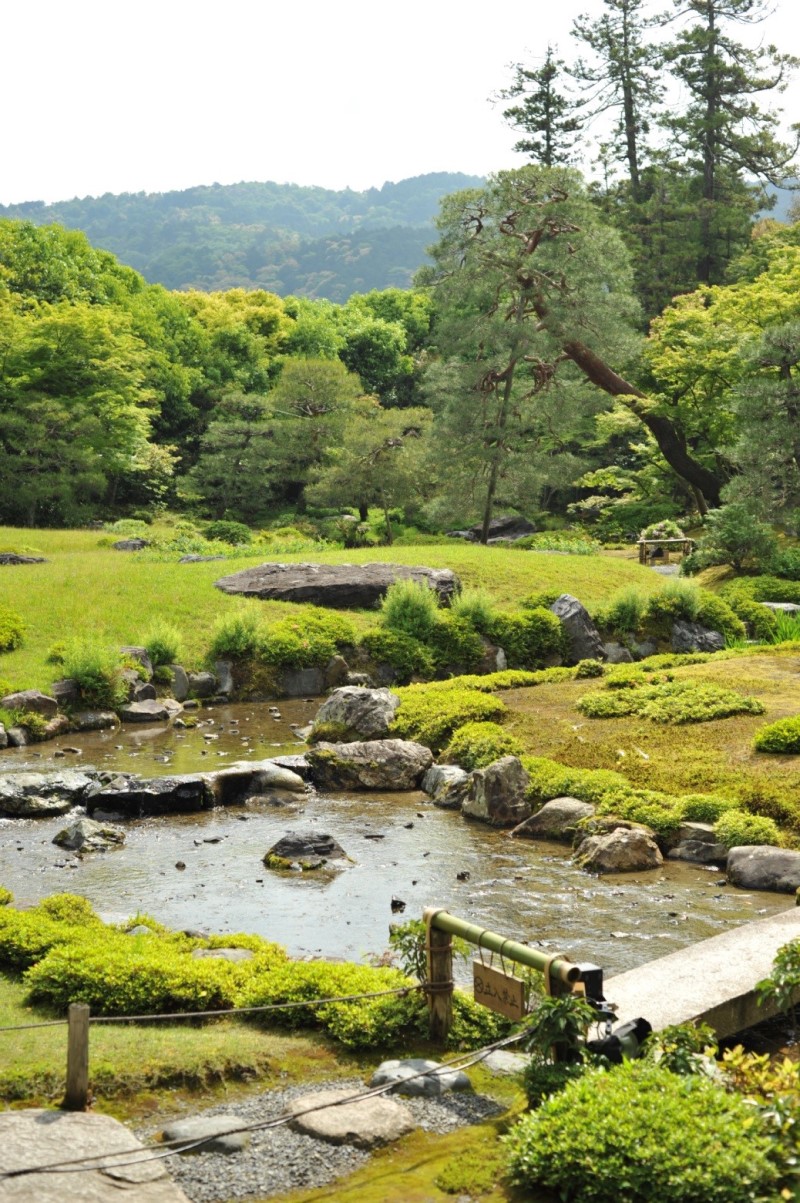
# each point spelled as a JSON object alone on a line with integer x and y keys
{"x": 624, "y": 850}
{"x": 557, "y": 820}
{"x": 341, "y": 586}
{"x": 496, "y": 794}
{"x": 379, "y": 764}
{"x": 86, "y": 835}
{"x": 355, "y": 713}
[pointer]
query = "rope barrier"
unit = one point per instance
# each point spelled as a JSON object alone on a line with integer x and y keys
{"x": 309, "y": 1002}
{"x": 77, "y": 1164}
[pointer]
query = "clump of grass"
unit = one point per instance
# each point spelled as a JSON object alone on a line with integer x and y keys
{"x": 163, "y": 644}
{"x": 411, "y": 608}
{"x": 97, "y": 669}
{"x": 475, "y": 606}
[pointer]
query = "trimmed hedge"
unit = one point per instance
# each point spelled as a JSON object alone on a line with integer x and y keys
{"x": 476, "y": 745}
{"x": 430, "y": 716}
{"x": 781, "y": 737}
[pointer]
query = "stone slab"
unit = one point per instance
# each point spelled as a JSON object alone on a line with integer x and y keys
{"x": 37, "y": 1137}
{"x": 365, "y": 1123}
{"x": 713, "y": 981}
{"x": 359, "y": 586}
{"x": 217, "y": 1132}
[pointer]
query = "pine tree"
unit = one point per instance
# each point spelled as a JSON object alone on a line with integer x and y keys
{"x": 543, "y": 112}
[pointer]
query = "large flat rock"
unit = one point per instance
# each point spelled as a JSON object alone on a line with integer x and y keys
{"x": 40, "y": 1137}
{"x": 366, "y": 1123}
{"x": 342, "y": 586}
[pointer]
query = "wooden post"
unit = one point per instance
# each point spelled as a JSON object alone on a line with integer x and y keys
{"x": 440, "y": 977}
{"x": 77, "y": 1095}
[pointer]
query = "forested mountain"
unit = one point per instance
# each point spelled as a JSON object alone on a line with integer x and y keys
{"x": 286, "y": 238}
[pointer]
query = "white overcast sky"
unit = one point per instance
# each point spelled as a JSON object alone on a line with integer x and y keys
{"x": 109, "y": 96}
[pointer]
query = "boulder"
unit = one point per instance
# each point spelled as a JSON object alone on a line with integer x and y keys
{"x": 302, "y": 682}
{"x": 3, "y": 737}
{"x": 56, "y": 726}
{"x": 507, "y": 527}
{"x": 365, "y": 1123}
{"x": 352, "y": 713}
{"x": 341, "y": 586}
{"x": 66, "y": 692}
{"x": 130, "y": 545}
{"x": 28, "y": 795}
{"x": 644, "y": 649}
{"x": 143, "y": 691}
{"x": 295, "y": 762}
{"x": 617, "y": 653}
{"x": 557, "y": 820}
{"x": 32, "y": 700}
{"x": 696, "y": 843}
{"x": 94, "y": 720}
{"x": 153, "y": 711}
{"x": 447, "y": 785}
{"x": 199, "y": 559}
{"x": 217, "y": 1133}
{"x": 202, "y": 684}
{"x": 135, "y": 796}
{"x": 583, "y": 637}
{"x": 180, "y": 682}
{"x": 337, "y": 671}
{"x": 762, "y": 867}
{"x": 405, "y": 1075}
{"x": 133, "y": 651}
{"x": 310, "y": 849}
{"x": 496, "y": 794}
{"x": 239, "y": 782}
{"x": 692, "y": 637}
{"x": 380, "y": 764}
{"x": 87, "y": 835}
{"x": 17, "y": 737}
{"x": 11, "y": 557}
{"x": 624, "y": 850}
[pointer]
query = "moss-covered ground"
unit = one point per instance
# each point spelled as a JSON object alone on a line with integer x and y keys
{"x": 87, "y": 588}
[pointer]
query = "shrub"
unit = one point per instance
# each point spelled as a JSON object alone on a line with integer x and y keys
{"x": 675, "y": 702}
{"x": 761, "y": 589}
{"x": 734, "y": 828}
{"x": 570, "y": 543}
{"x": 781, "y": 737}
{"x": 787, "y": 563}
{"x": 715, "y": 613}
{"x": 475, "y": 606}
{"x": 734, "y": 536}
{"x": 98, "y": 673}
{"x": 475, "y": 745}
{"x": 235, "y": 533}
{"x": 529, "y": 638}
{"x": 304, "y": 641}
{"x": 650, "y": 807}
{"x": 12, "y": 630}
{"x": 588, "y": 669}
{"x": 431, "y": 716}
{"x": 666, "y": 528}
{"x": 641, "y": 1133}
{"x": 6, "y": 897}
{"x": 624, "y": 612}
{"x": 411, "y": 608}
{"x": 677, "y": 601}
{"x": 454, "y": 643}
{"x": 235, "y": 636}
{"x": 408, "y": 657}
{"x": 549, "y": 779}
{"x": 163, "y": 644}
{"x": 759, "y": 621}
{"x": 704, "y": 808}
{"x": 542, "y": 600}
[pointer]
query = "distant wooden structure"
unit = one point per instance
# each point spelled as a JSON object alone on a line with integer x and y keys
{"x": 648, "y": 549}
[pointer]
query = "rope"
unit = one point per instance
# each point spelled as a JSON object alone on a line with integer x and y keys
{"x": 311, "y": 1002}
{"x": 77, "y": 1164}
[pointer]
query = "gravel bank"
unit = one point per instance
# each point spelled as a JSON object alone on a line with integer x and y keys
{"x": 279, "y": 1160}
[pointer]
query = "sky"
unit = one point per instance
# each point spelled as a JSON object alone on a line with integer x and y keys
{"x": 113, "y": 96}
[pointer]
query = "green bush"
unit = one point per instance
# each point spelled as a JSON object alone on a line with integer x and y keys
{"x": 787, "y": 563}
{"x": 587, "y": 669}
{"x": 27, "y": 936}
{"x": 98, "y": 673}
{"x": 475, "y": 745}
{"x": 641, "y": 1134}
{"x": 235, "y": 533}
{"x": 163, "y": 644}
{"x": 235, "y": 636}
{"x": 759, "y": 621}
{"x": 6, "y": 897}
{"x": 431, "y": 716}
{"x": 674, "y": 702}
{"x": 704, "y": 808}
{"x": 542, "y": 600}
{"x": 305, "y": 641}
{"x": 782, "y": 737}
{"x": 715, "y": 613}
{"x": 677, "y": 601}
{"x": 528, "y": 639}
{"x": 735, "y": 828}
{"x": 455, "y": 644}
{"x": 408, "y": 657}
{"x": 549, "y": 779}
{"x": 475, "y": 606}
{"x": 570, "y": 543}
{"x": 624, "y": 612}
{"x": 410, "y": 608}
{"x": 734, "y": 536}
{"x": 12, "y": 630}
{"x": 650, "y": 807}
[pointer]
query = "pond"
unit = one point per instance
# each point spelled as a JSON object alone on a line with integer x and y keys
{"x": 404, "y": 851}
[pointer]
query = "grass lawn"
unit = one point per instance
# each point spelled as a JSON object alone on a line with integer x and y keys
{"x": 697, "y": 758}
{"x": 90, "y": 590}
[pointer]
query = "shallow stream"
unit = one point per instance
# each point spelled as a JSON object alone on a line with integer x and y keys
{"x": 403, "y": 849}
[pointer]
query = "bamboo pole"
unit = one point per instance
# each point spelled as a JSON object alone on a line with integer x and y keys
{"x": 559, "y": 968}
{"x": 77, "y": 1093}
{"x": 440, "y": 976}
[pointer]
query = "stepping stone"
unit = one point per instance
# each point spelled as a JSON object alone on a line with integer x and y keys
{"x": 216, "y": 1132}
{"x": 502, "y": 1063}
{"x": 404, "y": 1074}
{"x": 365, "y": 1123}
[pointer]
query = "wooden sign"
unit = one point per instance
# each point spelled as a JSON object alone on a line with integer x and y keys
{"x": 499, "y": 991}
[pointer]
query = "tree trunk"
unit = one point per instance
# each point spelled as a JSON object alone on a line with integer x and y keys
{"x": 670, "y": 442}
